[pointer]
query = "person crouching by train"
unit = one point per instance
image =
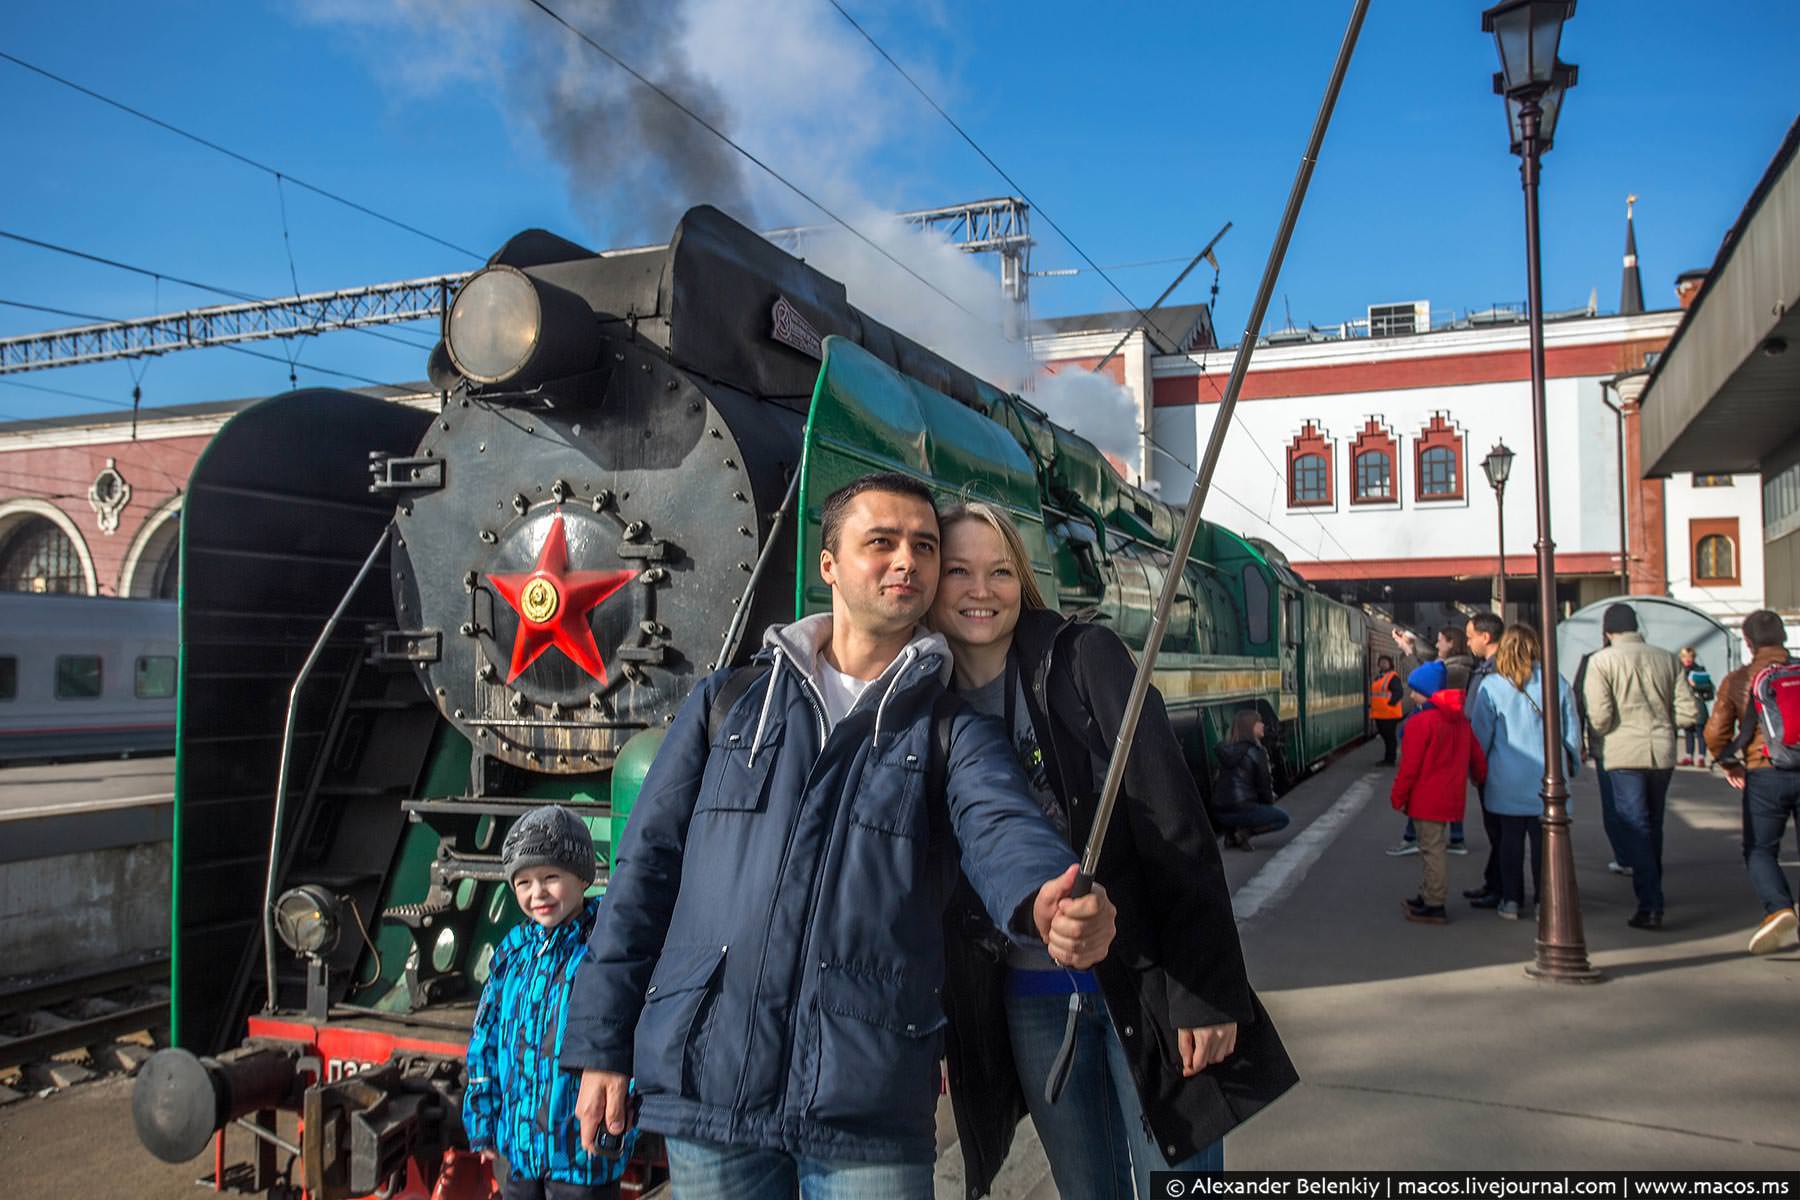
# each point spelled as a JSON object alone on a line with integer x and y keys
{"x": 1431, "y": 787}
{"x": 771, "y": 960}
{"x": 519, "y": 1103}
{"x": 1243, "y": 799}
{"x": 1172, "y": 1048}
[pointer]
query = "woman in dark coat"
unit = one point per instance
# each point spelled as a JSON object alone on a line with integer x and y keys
{"x": 1172, "y": 1047}
{"x": 1244, "y": 794}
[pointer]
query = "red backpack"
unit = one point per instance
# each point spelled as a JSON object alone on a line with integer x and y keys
{"x": 1775, "y": 703}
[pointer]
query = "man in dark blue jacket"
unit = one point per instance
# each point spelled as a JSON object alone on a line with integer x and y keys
{"x": 771, "y": 958}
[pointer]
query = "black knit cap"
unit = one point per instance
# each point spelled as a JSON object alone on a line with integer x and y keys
{"x": 550, "y": 836}
{"x": 1619, "y": 618}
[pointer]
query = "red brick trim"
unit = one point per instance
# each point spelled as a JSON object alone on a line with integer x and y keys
{"x": 1309, "y": 442}
{"x": 1396, "y": 374}
{"x": 1439, "y": 435}
{"x": 1699, "y": 529}
{"x": 1374, "y": 438}
{"x": 1584, "y": 563}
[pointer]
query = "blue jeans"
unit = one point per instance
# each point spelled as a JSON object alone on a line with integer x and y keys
{"x": 1771, "y": 797}
{"x": 710, "y": 1171}
{"x": 1609, "y": 812}
{"x": 1456, "y": 832}
{"x": 1639, "y": 798}
{"x": 1094, "y": 1136}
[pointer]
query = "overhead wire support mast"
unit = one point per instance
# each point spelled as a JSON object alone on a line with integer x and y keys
{"x": 224, "y": 324}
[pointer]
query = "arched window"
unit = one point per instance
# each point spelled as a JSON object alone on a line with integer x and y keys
{"x": 1714, "y": 541}
{"x": 1309, "y": 469}
{"x": 1372, "y": 466}
{"x": 1438, "y": 466}
{"x": 39, "y": 557}
{"x": 1714, "y": 559}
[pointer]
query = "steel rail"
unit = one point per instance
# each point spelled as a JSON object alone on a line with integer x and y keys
{"x": 16, "y": 998}
{"x": 80, "y": 1033}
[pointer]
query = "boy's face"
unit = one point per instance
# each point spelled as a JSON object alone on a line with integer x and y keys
{"x": 548, "y": 895}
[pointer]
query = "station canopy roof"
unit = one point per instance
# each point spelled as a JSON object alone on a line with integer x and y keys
{"x": 1722, "y": 398}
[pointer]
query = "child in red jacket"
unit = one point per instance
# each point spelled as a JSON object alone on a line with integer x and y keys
{"x": 1438, "y": 757}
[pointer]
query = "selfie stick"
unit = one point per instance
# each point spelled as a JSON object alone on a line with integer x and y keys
{"x": 1190, "y": 523}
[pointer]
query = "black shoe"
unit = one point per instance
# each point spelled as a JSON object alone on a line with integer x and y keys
{"x": 1478, "y": 893}
{"x": 1645, "y": 920}
{"x": 1487, "y": 900}
{"x": 1426, "y": 914}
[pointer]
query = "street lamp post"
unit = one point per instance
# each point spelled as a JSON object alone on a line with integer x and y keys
{"x": 1497, "y": 466}
{"x": 1533, "y": 84}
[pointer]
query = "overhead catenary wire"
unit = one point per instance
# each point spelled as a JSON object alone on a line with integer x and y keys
{"x": 777, "y": 176}
{"x": 1048, "y": 219}
{"x": 242, "y": 158}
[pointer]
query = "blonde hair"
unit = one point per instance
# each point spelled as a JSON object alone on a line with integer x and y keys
{"x": 1517, "y": 654}
{"x": 1000, "y": 523}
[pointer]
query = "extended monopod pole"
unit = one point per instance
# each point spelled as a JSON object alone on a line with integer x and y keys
{"x": 1190, "y": 523}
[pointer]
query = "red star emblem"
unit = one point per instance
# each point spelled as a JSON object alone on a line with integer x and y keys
{"x": 553, "y": 604}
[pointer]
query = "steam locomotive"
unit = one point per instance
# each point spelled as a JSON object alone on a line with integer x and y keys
{"x": 403, "y": 626}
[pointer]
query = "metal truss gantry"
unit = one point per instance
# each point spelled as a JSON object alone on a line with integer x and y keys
{"x": 998, "y": 226}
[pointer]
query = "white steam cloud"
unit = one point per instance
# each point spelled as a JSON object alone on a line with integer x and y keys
{"x": 791, "y": 83}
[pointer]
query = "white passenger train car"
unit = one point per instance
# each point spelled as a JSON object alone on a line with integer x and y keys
{"x": 86, "y": 677}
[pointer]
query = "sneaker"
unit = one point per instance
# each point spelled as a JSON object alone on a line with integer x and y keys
{"x": 1645, "y": 920}
{"x": 1507, "y": 910}
{"x": 1426, "y": 914}
{"x": 1459, "y": 848}
{"x": 1776, "y": 931}
{"x": 1237, "y": 839}
{"x": 1403, "y": 849}
{"x": 1490, "y": 900}
{"x": 1616, "y": 869}
{"x": 1478, "y": 893}
{"x": 1684, "y": 761}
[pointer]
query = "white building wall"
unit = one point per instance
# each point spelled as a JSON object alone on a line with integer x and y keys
{"x": 1684, "y": 503}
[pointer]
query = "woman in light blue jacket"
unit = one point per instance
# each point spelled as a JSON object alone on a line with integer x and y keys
{"x": 1509, "y": 723}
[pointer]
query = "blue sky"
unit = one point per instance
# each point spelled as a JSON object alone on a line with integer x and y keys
{"x": 1140, "y": 128}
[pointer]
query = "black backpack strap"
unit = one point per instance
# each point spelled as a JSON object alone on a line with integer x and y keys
{"x": 937, "y": 766}
{"x": 730, "y": 692}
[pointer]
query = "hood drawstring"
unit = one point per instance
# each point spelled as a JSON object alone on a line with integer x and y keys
{"x": 762, "y": 721}
{"x": 906, "y": 660}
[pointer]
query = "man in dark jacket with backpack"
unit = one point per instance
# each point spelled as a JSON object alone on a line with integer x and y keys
{"x": 771, "y": 962}
{"x": 1737, "y": 736}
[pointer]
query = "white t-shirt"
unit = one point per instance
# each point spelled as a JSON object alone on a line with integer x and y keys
{"x": 839, "y": 691}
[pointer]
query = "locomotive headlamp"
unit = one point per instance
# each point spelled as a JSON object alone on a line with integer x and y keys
{"x": 306, "y": 920}
{"x": 509, "y": 327}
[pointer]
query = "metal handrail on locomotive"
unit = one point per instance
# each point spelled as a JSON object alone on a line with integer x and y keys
{"x": 618, "y": 491}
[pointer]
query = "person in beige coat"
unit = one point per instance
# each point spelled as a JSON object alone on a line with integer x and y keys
{"x": 1636, "y": 698}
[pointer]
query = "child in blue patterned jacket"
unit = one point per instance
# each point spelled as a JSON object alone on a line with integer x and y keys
{"x": 519, "y": 1103}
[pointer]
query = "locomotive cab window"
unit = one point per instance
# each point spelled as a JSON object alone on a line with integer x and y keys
{"x": 9, "y": 677}
{"x": 78, "y": 677}
{"x": 156, "y": 677}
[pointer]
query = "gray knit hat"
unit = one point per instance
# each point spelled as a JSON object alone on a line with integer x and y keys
{"x": 550, "y": 836}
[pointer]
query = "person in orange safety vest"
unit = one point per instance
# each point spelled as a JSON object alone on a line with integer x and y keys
{"x": 1384, "y": 706}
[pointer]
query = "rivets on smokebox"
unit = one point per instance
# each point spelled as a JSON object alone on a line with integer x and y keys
{"x": 653, "y": 575}
{"x": 468, "y": 629}
{"x": 560, "y": 490}
{"x": 520, "y": 503}
{"x": 744, "y": 566}
{"x": 671, "y": 385}
{"x": 715, "y": 433}
{"x": 602, "y": 498}
{"x": 470, "y": 579}
{"x": 595, "y": 702}
{"x": 556, "y": 712}
{"x": 488, "y": 536}
{"x": 634, "y": 530}
{"x": 488, "y": 673}
{"x": 519, "y": 703}
{"x": 652, "y": 629}
{"x": 745, "y": 530}
{"x": 730, "y": 464}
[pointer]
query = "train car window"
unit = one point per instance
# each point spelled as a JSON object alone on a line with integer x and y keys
{"x": 77, "y": 677}
{"x": 9, "y": 677}
{"x": 156, "y": 677}
{"x": 1256, "y": 606}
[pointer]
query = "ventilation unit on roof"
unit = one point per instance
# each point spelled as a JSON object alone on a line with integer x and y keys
{"x": 1395, "y": 320}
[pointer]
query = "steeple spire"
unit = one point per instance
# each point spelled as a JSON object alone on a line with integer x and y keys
{"x": 1631, "y": 289}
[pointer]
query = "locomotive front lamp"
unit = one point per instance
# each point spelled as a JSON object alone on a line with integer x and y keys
{"x": 506, "y": 326}
{"x": 306, "y": 920}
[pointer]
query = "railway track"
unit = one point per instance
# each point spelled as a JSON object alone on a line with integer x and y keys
{"x": 88, "y": 1010}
